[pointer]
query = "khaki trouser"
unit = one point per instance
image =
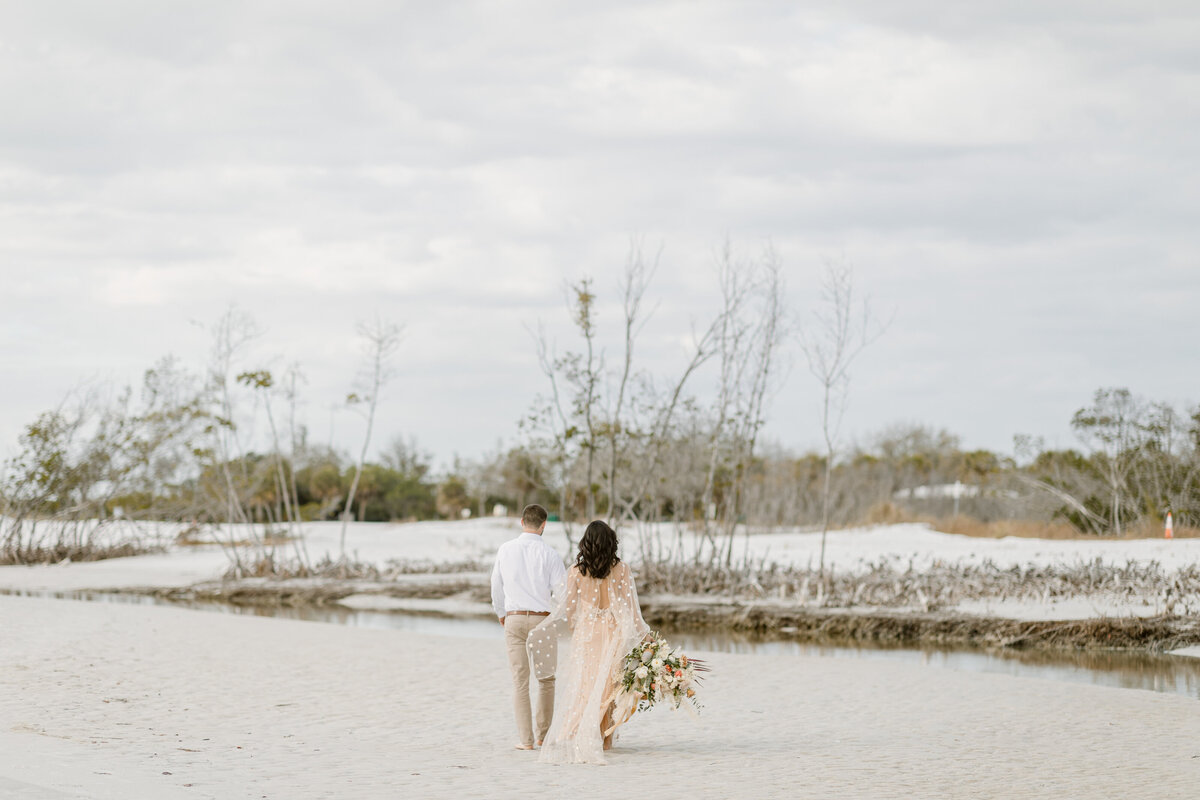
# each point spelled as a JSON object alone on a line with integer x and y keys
{"x": 516, "y": 633}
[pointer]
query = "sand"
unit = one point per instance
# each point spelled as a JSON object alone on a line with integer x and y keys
{"x": 120, "y": 701}
{"x": 1056, "y": 609}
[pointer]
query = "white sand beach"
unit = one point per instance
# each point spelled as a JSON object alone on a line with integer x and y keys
{"x": 848, "y": 550}
{"x": 119, "y": 701}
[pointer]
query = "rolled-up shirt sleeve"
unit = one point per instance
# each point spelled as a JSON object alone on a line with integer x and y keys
{"x": 498, "y": 590}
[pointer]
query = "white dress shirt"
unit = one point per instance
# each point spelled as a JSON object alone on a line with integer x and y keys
{"x": 528, "y": 575}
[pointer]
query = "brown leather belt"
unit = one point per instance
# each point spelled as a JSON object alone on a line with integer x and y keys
{"x": 529, "y": 613}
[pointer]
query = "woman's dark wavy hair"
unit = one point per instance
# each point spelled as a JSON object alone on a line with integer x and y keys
{"x": 597, "y": 550}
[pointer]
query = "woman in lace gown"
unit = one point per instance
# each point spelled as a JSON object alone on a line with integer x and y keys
{"x": 596, "y": 624}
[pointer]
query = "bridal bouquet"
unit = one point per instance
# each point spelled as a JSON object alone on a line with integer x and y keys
{"x": 654, "y": 672}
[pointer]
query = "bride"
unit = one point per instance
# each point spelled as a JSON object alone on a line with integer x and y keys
{"x": 599, "y": 612}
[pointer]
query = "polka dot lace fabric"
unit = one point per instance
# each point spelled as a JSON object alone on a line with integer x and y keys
{"x": 597, "y": 622}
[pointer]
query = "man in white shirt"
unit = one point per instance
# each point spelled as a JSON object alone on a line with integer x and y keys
{"x": 526, "y": 580}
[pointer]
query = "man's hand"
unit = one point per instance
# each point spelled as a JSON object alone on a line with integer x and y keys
{"x": 502, "y": 621}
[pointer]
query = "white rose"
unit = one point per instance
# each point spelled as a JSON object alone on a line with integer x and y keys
{"x": 641, "y": 672}
{"x": 657, "y": 664}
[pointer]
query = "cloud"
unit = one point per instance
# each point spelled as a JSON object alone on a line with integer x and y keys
{"x": 1015, "y": 181}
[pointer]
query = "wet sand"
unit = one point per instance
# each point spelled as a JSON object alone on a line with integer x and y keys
{"x": 119, "y": 701}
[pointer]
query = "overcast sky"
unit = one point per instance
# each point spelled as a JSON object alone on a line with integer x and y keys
{"x": 1017, "y": 185}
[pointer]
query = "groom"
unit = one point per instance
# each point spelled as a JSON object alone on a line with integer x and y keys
{"x": 525, "y": 580}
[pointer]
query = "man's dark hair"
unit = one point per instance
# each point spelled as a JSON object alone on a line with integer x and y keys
{"x": 533, "y": 516}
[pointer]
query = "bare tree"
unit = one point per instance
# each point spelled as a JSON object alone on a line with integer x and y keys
{"x": 298, "y": 440}
{"x": 633, "y": 289}
{"x": 584, "y": 371}
{"x": 1113, "y": 427}
{"x": 1167, "y": 472}
{"x": 748, "y": 335}
{"x": 663, "y": 470}
{"x": 733, "y": 331}
{"x": 766, "y": 337}
{"x": 232, "y": 334}
{"x": 665, "y": 414}
{"x": 662, "y": 450}
{"x": 263, "y": 382}
{"x": 553, "y": 418}
{"x": 381, "y": 341}
{"x": 843, "y": 326}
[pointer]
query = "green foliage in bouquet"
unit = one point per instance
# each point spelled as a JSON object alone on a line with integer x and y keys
{"x": 654, "y": 672}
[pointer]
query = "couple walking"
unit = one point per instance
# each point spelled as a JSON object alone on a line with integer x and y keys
{"x": 586, "y": 618}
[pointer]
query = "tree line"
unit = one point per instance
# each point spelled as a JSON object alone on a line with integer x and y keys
{"x": 221, "y": 446}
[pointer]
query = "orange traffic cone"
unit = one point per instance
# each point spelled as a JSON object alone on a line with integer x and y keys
{"x": 1169, "y": 533}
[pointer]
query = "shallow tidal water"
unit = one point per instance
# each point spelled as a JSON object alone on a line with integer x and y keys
{"x": 1151, "y": 672}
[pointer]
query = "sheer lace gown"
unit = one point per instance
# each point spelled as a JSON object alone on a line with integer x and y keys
{"x": 596, "y": 624}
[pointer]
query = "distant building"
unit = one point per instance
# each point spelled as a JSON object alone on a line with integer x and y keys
{"x": 930, "y": 491}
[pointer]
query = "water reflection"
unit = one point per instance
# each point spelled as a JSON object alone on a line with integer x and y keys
{"x": 1157, "y": 673}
